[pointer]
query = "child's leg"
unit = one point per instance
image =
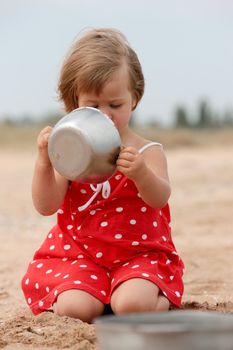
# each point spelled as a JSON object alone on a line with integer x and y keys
{"x": 78, "y": 304}
{"x": 138, "y": 295}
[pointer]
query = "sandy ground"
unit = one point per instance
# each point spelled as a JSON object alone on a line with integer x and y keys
{"x": 202, "y": 210}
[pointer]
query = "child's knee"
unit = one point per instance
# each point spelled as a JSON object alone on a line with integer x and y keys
{"x": 85, "y": 308}
{"x": 125, "y": 304}
{"x": 162, "y": 304}
{"x": 138, "y": 295}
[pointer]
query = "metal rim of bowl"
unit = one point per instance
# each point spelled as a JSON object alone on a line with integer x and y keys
{"x": 160, "y": 323}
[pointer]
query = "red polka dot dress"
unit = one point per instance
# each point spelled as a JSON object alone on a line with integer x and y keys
{"x": 105, "y": 234}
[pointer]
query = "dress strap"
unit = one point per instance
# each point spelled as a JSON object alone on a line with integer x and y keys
{"x": 148, "y": 145}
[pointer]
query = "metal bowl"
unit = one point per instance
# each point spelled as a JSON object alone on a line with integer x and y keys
{"x": 84, "y": 145}
{"x": 176, "y": 330}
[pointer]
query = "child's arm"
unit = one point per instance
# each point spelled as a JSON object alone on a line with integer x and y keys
{"x": 48, "y": 187}
{"x": 149, "y": 173}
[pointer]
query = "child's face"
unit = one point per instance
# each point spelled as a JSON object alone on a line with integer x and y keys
{"x": 115, "y": 99}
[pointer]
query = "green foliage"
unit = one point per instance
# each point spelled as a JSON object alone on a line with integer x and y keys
{"x": 204, "y": 118}
{"x": 181, "y": 118}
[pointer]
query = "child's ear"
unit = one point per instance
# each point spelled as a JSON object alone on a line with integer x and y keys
{"x": 134, "y": 103}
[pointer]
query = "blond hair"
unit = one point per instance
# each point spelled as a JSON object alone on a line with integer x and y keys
{"x": 91, "y": 62}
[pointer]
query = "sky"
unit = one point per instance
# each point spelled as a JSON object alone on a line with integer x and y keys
{"x": 185, "y": 48}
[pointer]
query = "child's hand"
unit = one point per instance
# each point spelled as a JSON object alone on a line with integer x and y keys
{"x": 42, "y": 139}
{"x": 131, "y": 163}
{"x": 42, "y": 144}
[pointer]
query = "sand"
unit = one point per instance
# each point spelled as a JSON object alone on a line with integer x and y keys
{"x": 202, "y": 210}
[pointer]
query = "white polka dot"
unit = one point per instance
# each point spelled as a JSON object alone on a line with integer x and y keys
{"x": 60, "y": 211}
{"x": 160, "y": 276}
{"x": 80, "y": 256}
{"x": 37, "y": 285}
{"x": 155, "y": 224}
{"x": 171, "y": 278}
{"x": 79, "y": 228}
{"x": 69, "y": 227}
{"x": 119, "y": 209}
{"x": 85, "y": 246}
{"x": 74, "y": 238}
{"x": 103, "y": 292}
{"x": 57, "y": 274}
{"x": 83, "y": 266}
{"x": 99, "y": 255}
{"x": 132, "y": 221}
{"x": 67, "y": 246}
{"x": 116, "y": 261}
{"x": 94, "y": 277}
{"x": 83, "y": 191}
{"x": 164, "y": 238}
{"x": 125, "y": 264}
{"x": 118, "y": 177}
{"x": 66, "y": 276}
{"x": 174, "y": 253}
{"x": 41, "y": 303}
{"x": 50, "y": 235}
{"x": 64, "y": 259}
{"x": 145, "y": 255}
{"x": 39, "y": 265}
{"x": 72, "y": 217}
{"x": 143, "y": 209}
{"x": 60, "y": 235}
{"x": 145, "y": 274}
{"x": 144, "y": 237}
{"x": 118, "y": 236}
{"x": 112, "y": 281}
{"x": 92, "y": 212}
{"x": 138, "y": 194}
{"x": 47, "y": 289}
{"x": 27, "y": 281}
{"x": 177, "y": 294}
{"x": 55, "y": 292}
{"x": 168, "y": 262}
{"x": 52, "y": 247}
{"x": 164, "y": 293}
{"x": 104, "y": 223}
{"x": 77, "y": 282}
{"x": 48, "y": 271}
{"x": 135, "y": 243}
{"x": 29, "y": 301}
{"x": 154, "y": 262}
{"x": 74, "y": 262}
{"x": 135, "y": 266}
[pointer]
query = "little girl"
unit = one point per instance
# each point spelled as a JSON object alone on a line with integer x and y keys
{"x": 113, "y": 247}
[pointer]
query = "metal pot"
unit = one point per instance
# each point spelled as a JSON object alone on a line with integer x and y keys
{"x": 84, "y": 145}
{"x": 176, "y": 330}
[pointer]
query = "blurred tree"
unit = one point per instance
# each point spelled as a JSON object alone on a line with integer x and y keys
{"x": 51, "y": 118}
{"x": 205, "y": 118}
{"x": 181, "y": 118}
{"x": 228, "y": 118}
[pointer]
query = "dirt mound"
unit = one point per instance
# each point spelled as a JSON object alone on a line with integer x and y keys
{"x": 48, "y": 330}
